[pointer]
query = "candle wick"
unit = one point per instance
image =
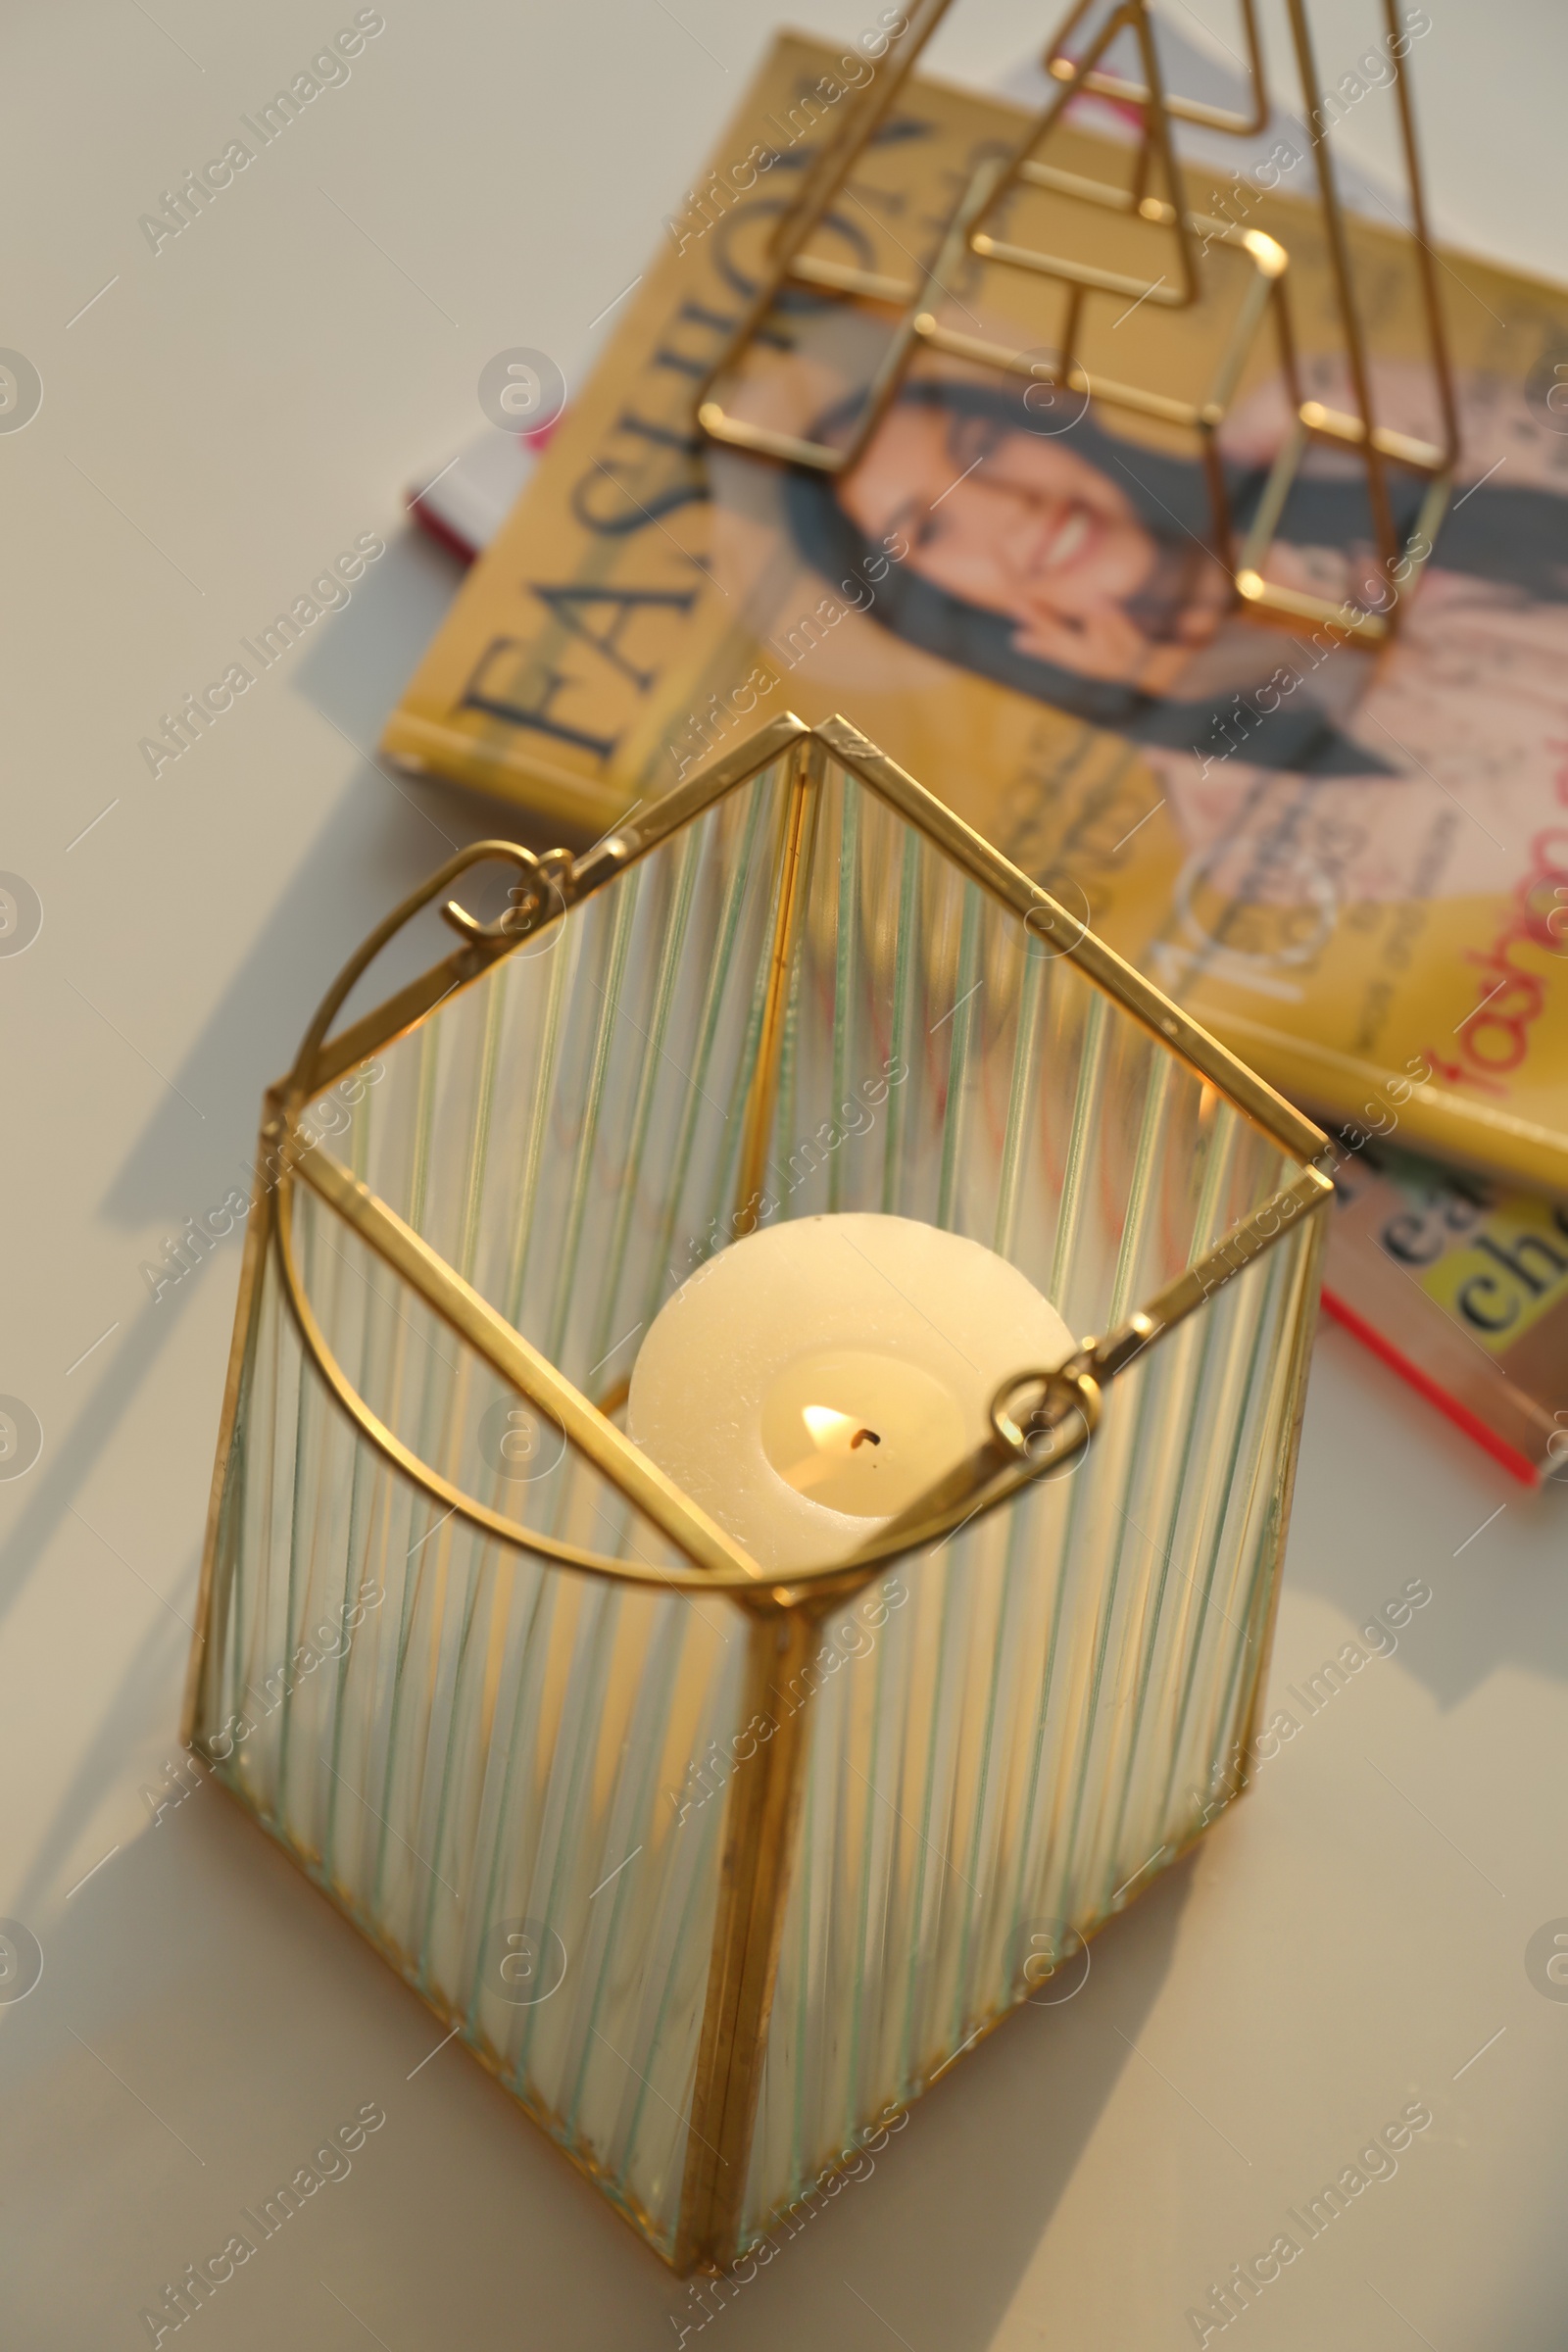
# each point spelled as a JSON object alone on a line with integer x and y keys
{"x": 865, "y": 1436}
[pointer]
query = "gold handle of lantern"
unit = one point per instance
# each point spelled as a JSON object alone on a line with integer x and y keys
{"x": 1041, "y": 1419}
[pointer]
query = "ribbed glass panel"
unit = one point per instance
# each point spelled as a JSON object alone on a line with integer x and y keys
{"x": 567, "y": 1133}
{"x": 464, "y": 1741}
{"x": 1013, "y": 1734}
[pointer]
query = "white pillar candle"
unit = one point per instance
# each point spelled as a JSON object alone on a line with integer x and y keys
{"x": 812, "y": 1381}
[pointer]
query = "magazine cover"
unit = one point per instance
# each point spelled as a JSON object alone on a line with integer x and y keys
{"x": 1352, "y": 866}
{"x": 1463, "y": 1288}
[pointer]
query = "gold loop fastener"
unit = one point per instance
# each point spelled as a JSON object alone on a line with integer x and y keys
{"x": 546, "y": 895}
{"x": 1040, "y": 1434}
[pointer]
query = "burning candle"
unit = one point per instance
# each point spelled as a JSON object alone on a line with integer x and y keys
{"x": 811, "y": 1382}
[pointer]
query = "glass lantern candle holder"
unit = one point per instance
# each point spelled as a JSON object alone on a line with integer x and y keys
{"x": 717, "y": 1870}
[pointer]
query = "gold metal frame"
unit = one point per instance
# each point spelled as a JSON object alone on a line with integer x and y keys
{"x": 1065, "y": 68}
{"x": 1022, "y": 168}
{"x": 1376, "y": 445}
{"x": 1040, "y": 1418}
{"x": 968, "y": 237}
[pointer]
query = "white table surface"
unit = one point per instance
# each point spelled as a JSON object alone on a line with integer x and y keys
{"x": 228, "y": 415}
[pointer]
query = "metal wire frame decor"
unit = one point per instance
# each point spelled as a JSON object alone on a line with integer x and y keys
{"x": 281, "y": 1515}
{"x": 974, "y": 234}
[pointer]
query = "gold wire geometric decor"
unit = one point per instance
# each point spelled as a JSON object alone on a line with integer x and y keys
{"x": 980, "y": 236}
{"x": 717, "y": 1866}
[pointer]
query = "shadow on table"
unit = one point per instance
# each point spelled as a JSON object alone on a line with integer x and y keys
{"x": 200, "y": 1943}
{"x": 383, "y": 834}
{"x": 380, "y": 837}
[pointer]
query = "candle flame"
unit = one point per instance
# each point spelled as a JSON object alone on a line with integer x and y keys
{"x": 834, "y": 1431}
{"x": 829, "y": 1430}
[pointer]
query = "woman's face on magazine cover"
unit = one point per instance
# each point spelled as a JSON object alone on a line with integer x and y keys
{"x": 1016, "y": 522}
